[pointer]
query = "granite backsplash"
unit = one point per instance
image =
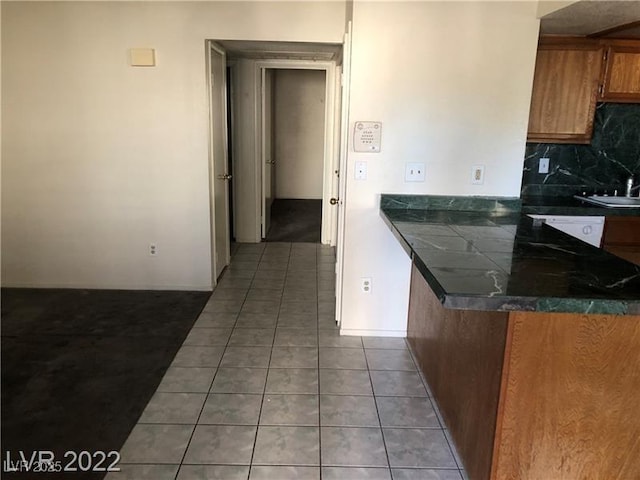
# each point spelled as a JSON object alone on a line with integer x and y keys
{"x": 604, "y": 165}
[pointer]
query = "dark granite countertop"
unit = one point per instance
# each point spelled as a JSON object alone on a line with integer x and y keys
{"x": 571, "y": 206}
{"x": 487, "y": 254}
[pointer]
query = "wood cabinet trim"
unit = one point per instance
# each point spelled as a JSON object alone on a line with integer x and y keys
{"x": 567, "y": 41}
{"x": 504, "y": 383}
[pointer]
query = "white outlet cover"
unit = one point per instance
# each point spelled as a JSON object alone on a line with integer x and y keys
{"x": 414, "y": 172}
{"x": 477, "y": 174}
{"x": 543, "y": 165}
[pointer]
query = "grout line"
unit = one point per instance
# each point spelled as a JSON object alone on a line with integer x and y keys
{"x": 264, "y": 388}
{"x": 375, "y": 402}
{"x": 318, "y": 350}
{"x": 436, "y": 410}
{"x": 294, "y": 424}
{"x": 214, "y": 377}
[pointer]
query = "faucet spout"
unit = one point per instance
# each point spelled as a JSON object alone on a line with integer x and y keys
{"x": 630, "y": 188}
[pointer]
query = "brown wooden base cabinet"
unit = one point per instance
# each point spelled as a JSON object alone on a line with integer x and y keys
{"x": 622, "y": 237}
{"x": 532, "y": 395}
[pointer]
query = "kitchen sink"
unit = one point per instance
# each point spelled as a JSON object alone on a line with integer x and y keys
{"x": 606, "y": 201}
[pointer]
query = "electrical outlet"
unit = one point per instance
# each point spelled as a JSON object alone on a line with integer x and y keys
{"x": 414, "y": 172}
{"x": 365, "y": 284}
{"x": 543, "y": 165}
{"x": 153, "y": 250}
{"x": 361, "y": 171}
{"x": 477, "y": 174}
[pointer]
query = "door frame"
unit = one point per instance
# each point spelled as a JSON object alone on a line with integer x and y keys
{"x": 330, "y": 159}
{"x": 226, "y": 255}
{"x": 266, "y": 166}
{"x": 341, "y": 171}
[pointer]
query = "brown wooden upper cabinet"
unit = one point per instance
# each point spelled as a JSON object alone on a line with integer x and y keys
{"x": 565, "y": 91}
{"x": 621, "y": 81}
{"x": 571, "y": 75}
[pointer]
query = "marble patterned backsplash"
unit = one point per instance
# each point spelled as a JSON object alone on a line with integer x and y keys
{"x": 604, "y": 165}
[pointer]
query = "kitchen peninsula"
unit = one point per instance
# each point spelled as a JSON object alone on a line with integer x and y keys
{"x": 528, "y": 338}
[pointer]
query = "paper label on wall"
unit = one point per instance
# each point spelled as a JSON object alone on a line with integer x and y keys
{"x": 366, "y": 136}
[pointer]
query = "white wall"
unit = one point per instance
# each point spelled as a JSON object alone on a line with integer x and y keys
{"x": 246, "y": 208}
{"x": 98, "y": 158}
{"x": 451, "y": 84}
{"x": 299, "y": 132}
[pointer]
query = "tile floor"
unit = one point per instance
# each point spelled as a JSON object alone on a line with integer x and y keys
{"x": 265, "y": 387}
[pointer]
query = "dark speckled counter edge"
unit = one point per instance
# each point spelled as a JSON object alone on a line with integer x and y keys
{"x": 572, "y": 206}
{"x": 446, "y": 202}
{"x": 484, "y": 302}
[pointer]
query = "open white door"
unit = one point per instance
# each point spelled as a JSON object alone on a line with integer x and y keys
{"x": 266, "y": 148}
{"x": 342, "y": 181}
{"x": 265, "y": 160}
{"x": 218, "y": 165}
{"x": 335, "y": 167}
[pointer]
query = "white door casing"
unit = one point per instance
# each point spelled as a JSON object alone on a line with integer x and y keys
{"x": 342, "y": 189}
{"x": 218, "y": 164}
{"x": 335, "y": 181}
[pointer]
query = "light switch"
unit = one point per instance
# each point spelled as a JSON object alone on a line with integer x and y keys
{"x": 361, "y": 171}
{"x": 142, "y": 57}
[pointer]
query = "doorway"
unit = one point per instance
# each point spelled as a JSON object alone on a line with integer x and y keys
{"x": 254, "y": 184}
{"x": 298, "y": 157}
{"x": 219, "y": 175}
{"x": 293, "y": 123}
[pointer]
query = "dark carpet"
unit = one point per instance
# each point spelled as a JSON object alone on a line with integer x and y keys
{"x": 295, "y": 221}
{"x": 79, "y": 366}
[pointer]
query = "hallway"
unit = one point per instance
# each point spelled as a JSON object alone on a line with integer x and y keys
{"x": 264, "y": 387}
{"x": 295, "y": 220}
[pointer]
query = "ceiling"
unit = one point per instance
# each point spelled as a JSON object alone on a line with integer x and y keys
{"x": 282, "y": 50}
{"x": 588, "y": 17}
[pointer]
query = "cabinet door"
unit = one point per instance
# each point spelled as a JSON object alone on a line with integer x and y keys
{"x": 565, "y": 90}
{"x": 622, "y": 231}
{"x": 622, "y": 237}
{"x": 622, "y": 75}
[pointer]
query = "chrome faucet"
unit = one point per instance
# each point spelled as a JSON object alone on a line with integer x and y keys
{"x": 627, "y": 192}
{"x": 630, "y": 187}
